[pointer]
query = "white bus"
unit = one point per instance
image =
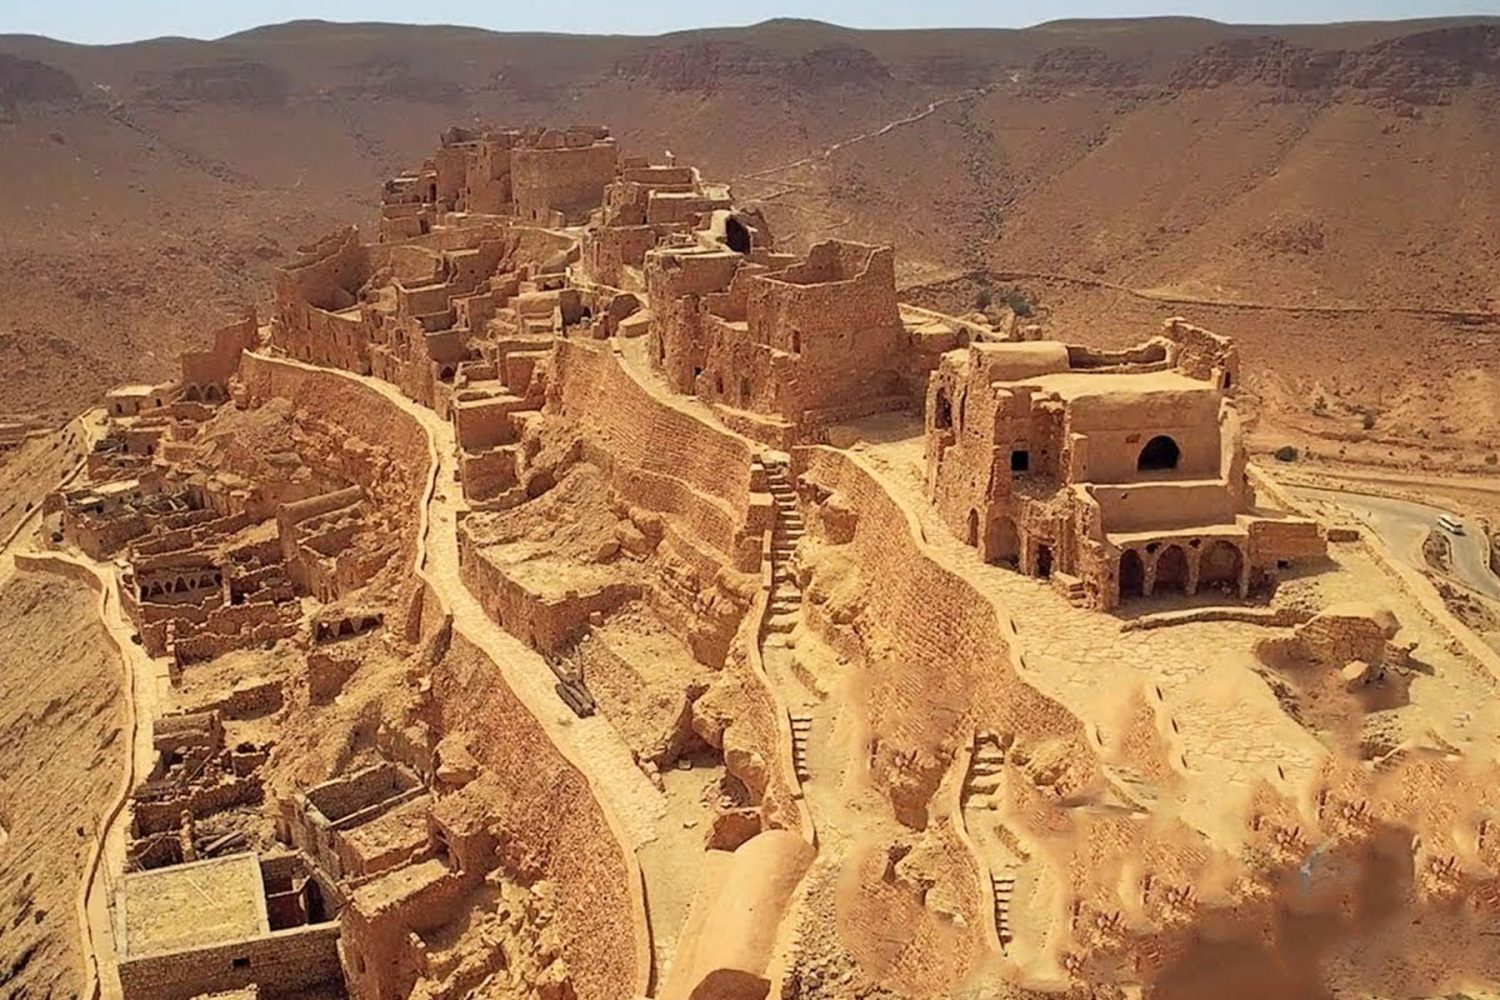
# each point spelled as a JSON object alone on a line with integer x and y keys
{"x": 1450, "y": 524}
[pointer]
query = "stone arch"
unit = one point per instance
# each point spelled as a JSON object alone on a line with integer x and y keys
{"x": 445, "y": 374}
{"x": 1132, "y": 574}
{"x": 1002, "y": 542}
{"x": 1160, "y": 453}
{"x": 213, "y": 394}
{"x": 1223, "y": 562}
{"x": 192, "y": 395}
{"x": 1172, "y": 569}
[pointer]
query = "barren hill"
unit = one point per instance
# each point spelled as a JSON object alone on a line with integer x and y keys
{"x": 1344, "y": 167}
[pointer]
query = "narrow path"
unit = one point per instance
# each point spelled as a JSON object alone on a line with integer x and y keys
{"x": 911, "y": 119}
{"x": 1467, "y": 316}
{"x": 593, "y": 743}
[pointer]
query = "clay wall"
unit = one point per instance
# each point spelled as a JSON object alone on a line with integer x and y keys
{"x": 1202, "y": 354}
{"x": 823, "y": 339}
{"x": 945, "y": 658}
{"x": 657, "y": 456}
{"x": 1115, "y": 430}
{"x": 553, "y": 825}
{"x": 607, "y": 251}
{"x": 281, "y": 963}
{"x": 327, "y": 277}
{"x": 392, "y": 470}
{"x": 214, "y": 366}
{"x": 567, "y": 180}
{"x": 1292, "y": 541}
{"x": 547, "y": 624}
{"x": 675, "y": 284}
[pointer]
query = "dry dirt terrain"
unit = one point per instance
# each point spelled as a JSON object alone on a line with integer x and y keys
{"x": 773, "y": 512}
{"x": 60, "y": 755}
{"x": 1343, "y": 167}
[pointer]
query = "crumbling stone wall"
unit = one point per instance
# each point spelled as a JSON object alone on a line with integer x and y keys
{"x": 940, "y": 656}
{"x": 553, "y": 828}
{"x": 281, "y": 963}
{"x": 657, "y": 456}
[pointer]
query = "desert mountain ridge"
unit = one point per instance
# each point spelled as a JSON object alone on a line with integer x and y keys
{"x": 1320, "y": 192}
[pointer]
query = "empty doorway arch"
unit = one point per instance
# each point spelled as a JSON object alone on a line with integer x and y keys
{"x": 1172, "y": 569}
{"x": 1222, "y": 563}
{"x": 1160, "y": 453}
{"x": 1132, "y": 574}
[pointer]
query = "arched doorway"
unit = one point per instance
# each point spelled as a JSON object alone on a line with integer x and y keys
{"x": 1160, "y": 453}
{"x": 1222, "y": 564}
{"x": 1002, "y": 544}
{"x": 1172, "y": 569}
{"x": 973, "y": 534}
{"x": 1132, "y": 574}
{"x": 1044, "y": 561}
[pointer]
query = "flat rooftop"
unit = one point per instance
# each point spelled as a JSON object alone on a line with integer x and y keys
{"x": 192, "y": 906}
{"x": 1078, "y": 385}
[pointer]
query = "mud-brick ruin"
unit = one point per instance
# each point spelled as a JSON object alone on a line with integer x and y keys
{"x": 1116, "y": 473}
{"x": 573, "y": 594}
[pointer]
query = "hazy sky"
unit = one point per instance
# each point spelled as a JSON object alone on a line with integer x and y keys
{"x": 127, "y": 20}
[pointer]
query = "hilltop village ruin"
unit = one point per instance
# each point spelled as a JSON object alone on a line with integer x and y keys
{"x": 508, "y": 582}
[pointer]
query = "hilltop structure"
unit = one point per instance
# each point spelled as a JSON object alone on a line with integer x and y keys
{"x": 1117, "y": 474}
{"x": 545, "y": 529}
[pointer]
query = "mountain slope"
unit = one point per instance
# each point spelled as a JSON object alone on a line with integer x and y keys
{"x": 154, "y": 184}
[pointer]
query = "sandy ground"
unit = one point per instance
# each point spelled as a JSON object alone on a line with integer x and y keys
{"x": 61, "y": 750}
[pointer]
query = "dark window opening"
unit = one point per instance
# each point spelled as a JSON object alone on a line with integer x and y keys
{"x": 1228, "y": 380}
{"x": 242, "y": 962}
{"x": 1044, "y": 561}
{"x": 796, "y": 341}
{"x": 736, "y": 236}
{"x": 1132, "y": 574}
{"x": 1160, "y": 453}
{"x": 1020, "y": 460}
{"x": 943, "y": 418}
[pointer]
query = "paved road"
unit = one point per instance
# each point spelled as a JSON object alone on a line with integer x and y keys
{"x": 1403, "y": 525}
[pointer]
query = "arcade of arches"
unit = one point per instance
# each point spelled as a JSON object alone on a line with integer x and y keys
{"x": 1185, "y": 567}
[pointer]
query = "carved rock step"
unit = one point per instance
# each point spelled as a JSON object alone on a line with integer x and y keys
{"x": 801, "y": 729}
{"x": 1004, "y": 886}
{"x": 781, "y": 623}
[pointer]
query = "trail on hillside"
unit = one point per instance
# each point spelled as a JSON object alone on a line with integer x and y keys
{"x": 911, "y": 119}
{"x": 1467, "y": 316}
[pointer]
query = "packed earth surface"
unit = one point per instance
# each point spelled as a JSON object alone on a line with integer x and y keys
{"x": 777, "y": 512}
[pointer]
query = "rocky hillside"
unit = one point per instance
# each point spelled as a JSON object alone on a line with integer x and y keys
{"x": 1344, "y": 169}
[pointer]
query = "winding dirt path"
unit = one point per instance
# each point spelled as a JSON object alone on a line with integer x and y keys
{"x": 140, "y": 682}
{"x": 932, "y": 108}
{"x": 593, "y": 742}
{"x": 1449, "y": 313}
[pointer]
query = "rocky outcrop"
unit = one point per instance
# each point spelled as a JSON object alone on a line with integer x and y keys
{"x": 1418, "y": 69}
{"x": 27, "y": 81}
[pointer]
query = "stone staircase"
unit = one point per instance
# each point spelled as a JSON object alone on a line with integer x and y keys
{"x": 801, "y": 730}
{"x": 985, "y": 769}
{"x": 1071, "y": 587}
{"x": 784, "y": 604}
{"x": 981, "y": 786}
{"x": 786, "y": 598}
{"x": 1003, "y": 882}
